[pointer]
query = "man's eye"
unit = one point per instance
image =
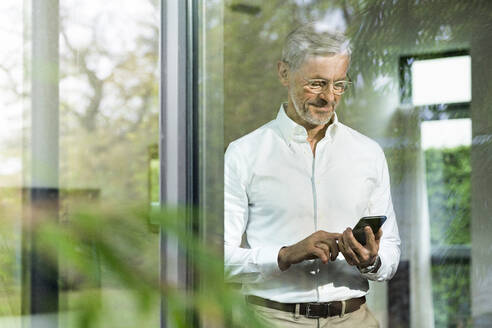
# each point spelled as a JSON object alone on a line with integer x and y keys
{"x": 340, "y": 85}
{"x": 316, "y": 84}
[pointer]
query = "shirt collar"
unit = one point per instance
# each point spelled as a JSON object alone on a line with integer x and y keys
{"x": 295, "y": 132}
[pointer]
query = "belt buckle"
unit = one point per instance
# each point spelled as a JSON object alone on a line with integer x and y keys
{"x": 311, "y": 316}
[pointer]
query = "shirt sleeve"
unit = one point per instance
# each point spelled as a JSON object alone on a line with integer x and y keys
{"x": 389, "y": 246}
{"x": 242, "y": 264}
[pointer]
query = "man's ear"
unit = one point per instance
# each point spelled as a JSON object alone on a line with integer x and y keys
{"x": 283, "y": 73}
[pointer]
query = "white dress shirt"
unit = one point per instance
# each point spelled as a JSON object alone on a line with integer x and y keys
{"x": 278, "y": 193}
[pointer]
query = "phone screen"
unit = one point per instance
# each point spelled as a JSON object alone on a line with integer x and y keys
{"x": 375, "y": 222}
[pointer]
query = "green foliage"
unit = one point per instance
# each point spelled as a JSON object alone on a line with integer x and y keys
{"x": 451, "y": 295}
{"x": 120, "y": 237}
{"x": 448, "y": 190}
{"x": 9, "y": 240}
{"x": 448, "y": 174}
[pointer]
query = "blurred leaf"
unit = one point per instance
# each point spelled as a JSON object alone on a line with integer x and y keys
{"x": 118, "y": 235}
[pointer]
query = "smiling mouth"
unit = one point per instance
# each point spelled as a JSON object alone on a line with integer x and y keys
{"x": 324, "y": 108}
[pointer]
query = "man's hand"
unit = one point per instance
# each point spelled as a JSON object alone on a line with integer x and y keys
{"x": 355, "y": 253}
{"x": 321, "y": 244}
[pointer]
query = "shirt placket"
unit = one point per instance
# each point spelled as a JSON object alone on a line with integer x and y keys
{"x": 319, "y": 162}
{"x": 311, "y": 161}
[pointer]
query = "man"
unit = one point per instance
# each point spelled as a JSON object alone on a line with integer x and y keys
{"x": 295, "y": 186}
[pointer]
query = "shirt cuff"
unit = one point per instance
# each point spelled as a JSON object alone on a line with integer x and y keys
{"x": 378, "y": 275}
{"x": 267, "y": 261}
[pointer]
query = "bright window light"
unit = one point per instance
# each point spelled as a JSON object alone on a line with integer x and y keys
{"x": 442, "y": 80}
{"x": 446, "y": 133}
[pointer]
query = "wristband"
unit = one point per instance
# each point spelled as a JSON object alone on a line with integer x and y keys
{"x": 372, "y": 268}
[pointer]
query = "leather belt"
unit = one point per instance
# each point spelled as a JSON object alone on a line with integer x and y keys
{"x": 311, "y": 310}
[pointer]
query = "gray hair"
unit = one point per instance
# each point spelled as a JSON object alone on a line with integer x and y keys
{"x": 313, "y": 39}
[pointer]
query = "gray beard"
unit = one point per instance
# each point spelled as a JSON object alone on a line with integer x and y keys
{"x": 306, "y": 115}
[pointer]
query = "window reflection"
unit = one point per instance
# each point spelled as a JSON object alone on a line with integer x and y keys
{"x": 441, "y": 80}
{"x": 433, "y": 188}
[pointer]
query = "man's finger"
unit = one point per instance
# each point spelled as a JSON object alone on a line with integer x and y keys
{"x": 319, "y": 253}
{"x": 370, "y": 240}
{"x": 325, "y": 248}
{"x": 334, "y": 250}
{"x": 348, "y": 249}
{"x": 332, "y": 244}
{"x": 341, "y": 247}
{"x": 329, "y": 235}
{"x": 354, "y": 245}
{"x": 379, "y": 234}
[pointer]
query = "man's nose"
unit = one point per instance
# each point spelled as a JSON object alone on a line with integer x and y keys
{"x": 328, "y": 95}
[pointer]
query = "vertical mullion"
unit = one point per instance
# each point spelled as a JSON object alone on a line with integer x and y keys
{"x": 162, "y": 150}
{"x": 192, "y": 283}
{"x": 42, "y": 271}
{"x": 176, "y": 142}
{"x": 209, "y": 77}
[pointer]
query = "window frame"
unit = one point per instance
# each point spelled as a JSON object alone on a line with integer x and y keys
{"x": 444, "y": 111}
{"x": 178, "y": 142}
{"x": 441, "y": 111}
{"x": 445, "y": 255}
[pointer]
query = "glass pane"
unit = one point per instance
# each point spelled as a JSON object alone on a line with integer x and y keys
{"x": 447, "y": 149}
{"x": 439, "y": 169}
{"x": 442, "y": 80}
{"x": 109, "y": 75}
{"x": 12, "y": 91}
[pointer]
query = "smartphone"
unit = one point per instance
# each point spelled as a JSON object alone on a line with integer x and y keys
{"x": 375, "y": 222}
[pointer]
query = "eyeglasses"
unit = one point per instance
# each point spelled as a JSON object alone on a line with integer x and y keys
{"x": 318, "y": 86}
